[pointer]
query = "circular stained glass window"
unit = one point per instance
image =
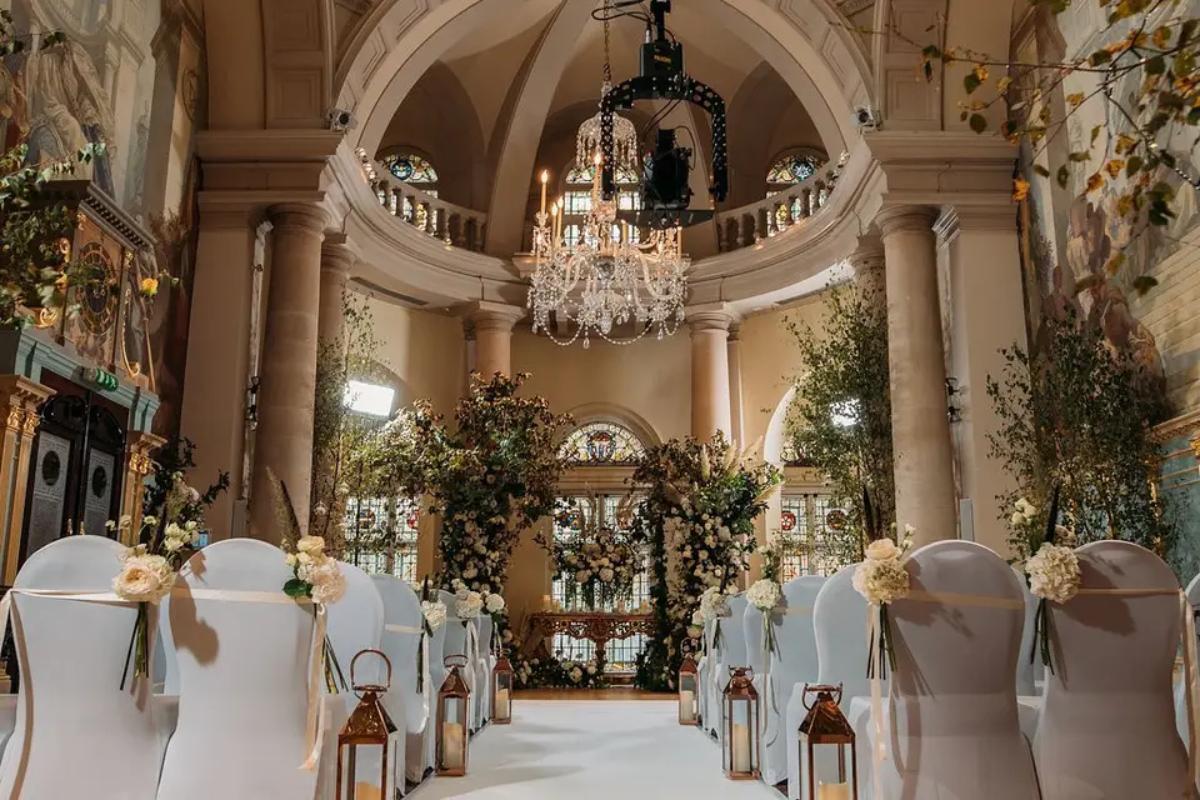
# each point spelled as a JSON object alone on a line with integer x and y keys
{"x": 802, "y": 169}
{"x": 402, "y": 169}
{"x": 787, "y": 521}
{"x": 836, "y": 519}
{"x": 601, "y": 445}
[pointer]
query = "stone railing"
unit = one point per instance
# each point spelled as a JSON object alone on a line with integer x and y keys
{"x": 750, "y": 224}
{"x": 452, "y": 224}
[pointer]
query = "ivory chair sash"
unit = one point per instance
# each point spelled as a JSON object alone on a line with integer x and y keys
{"x": 461, "y": 640}
{"x": 794, "y": 662}
{"x": 1107, "y": 725}
{"x": 356, "y": 624}
{"x": 246, "y": 676}
{"x": 406, "y": 646}
{"x": 730, "y": 653}
{"x": 952, "y": 730}
{"x": 76, "y": 733}
{"x": 841, "y": 657}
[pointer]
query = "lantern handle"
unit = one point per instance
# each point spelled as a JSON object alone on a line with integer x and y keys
{"x": 460, "y": 659}
{"x": 747, "y": 672}
{"x": 364, "y": 687}
{"x": 817, "y": 688}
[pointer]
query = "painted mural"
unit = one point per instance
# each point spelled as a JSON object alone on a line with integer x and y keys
{"x": 128, "y": 75}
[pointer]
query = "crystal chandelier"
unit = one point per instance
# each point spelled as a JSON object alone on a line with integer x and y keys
{"x": 602, "y": 279}
{"x": 625, "y": 139}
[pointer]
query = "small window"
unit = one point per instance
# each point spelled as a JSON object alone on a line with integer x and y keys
{"x": 790, "y": 170}
{"x": 602, "y": 443}
{"x": 372, "y": 399}
{"x": 413, "y": 170}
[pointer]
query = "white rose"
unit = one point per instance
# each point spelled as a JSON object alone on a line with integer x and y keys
{"x": 764, "y": 595}
{"x": 312, "y": 545}
{"x": 435, "y": 613}
{"x": 494, "y": 604}
{"x": 144, "y": 579}
{"x": 606, "y": 574}
{"x": 883, "y": 549}
{"x": 327, "y": 581}
{"x": 172, "y": 545}
{"x": 1017, "y": 518}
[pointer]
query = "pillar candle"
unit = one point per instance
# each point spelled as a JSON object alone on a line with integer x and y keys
{"x": 741, "y": 748}
{"x": 687, "y": 705}
{"x": 452, "y": 745}
{"x": 833, "y": 791}
{"x": 545, "y": 179}
{"x": 502, "y": 704}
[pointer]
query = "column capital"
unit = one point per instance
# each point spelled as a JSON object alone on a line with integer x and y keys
{"x": 140, "y": 444}
{"x": 991, "y": 217}
{"x": 483, "y": 315}
{"x": 711, "y": 317}
{"x": 868, "y": 254}
{"x": 891, "y": 219}
{"x": 308, "y": 217}
{"x": 336, "y": 254}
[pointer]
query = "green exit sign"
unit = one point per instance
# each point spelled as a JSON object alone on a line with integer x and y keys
{"x": 104, "y": 379}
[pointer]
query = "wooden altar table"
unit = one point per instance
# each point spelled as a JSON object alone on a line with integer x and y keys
{"x": 597, "y": 627}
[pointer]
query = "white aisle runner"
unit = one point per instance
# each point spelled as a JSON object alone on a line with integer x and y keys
{"x": 598, "y": 750}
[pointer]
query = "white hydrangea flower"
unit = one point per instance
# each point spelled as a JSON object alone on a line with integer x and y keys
{"x": 1054, "y": 573}
{"x": 764, "y": 595}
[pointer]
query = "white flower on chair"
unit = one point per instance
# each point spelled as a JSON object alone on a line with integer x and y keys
{"x": 435, "y": 613}
{"x": 764, "y": 595}
{"x": 143, "y": 578}
{"x": 1054, "y": 573}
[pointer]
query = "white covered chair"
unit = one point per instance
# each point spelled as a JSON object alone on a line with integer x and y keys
{"x": 356, "y": 624}
{"x": 704, "y": 670}
{"x": 244, "y": 651}
{"x": 1181, "y": 722}
{"x": 1107, "y": 727}
{"x": 795, "y": 661}
{"x": 1030, "y": 671}
{"x": 839, "y": 617}
{"x": 731, "y": 652}
{"x": 952, "y": 730}
{"x": 77, "y": 734}
{"x": 403, "y": 625}
{"x": 459, "y": 641}
{"x": 484, "y": 663}
{"x": 437, "y": 676}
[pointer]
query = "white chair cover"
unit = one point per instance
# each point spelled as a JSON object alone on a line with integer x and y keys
{"x": 839, "y": 612}
{"x": 794, "y": 662}
{"x": 730, "y": 653}
{"x": 243, "y": 679}
{"x": 166, "y": 660}
{"x": 77, "y": 734}
{"x": 403, "y": 624}
{"x": 1181, "y": 723}
{"x": 483, "y": 668}
{"x": 952, "y": 730}
{"x": 1029, "y": 670}
{"x": 1107, "y": 726}
{"x": 437, "y": 676}
{"x": 459, "y": 641}
{"x": 704, "y": 672}
{"x": 356, "y": 624}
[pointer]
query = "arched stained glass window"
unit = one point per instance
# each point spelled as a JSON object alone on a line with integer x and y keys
{"x": 411, "y": 168}
{"x": 577, "y": 200}
{"x": 791, "y": 169}
{"x": 602, "y": 444}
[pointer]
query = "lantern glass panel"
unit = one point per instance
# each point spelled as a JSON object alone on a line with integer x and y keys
{"x": 688, "y": 694}
{"x": 740, "y": 749}
{"x": 827, "y": 747}
{"x": 454, "y": 734}
{"x": 502, "y": 708}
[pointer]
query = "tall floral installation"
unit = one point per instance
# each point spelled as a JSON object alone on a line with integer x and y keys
{"x": 841, "y": 418}
{"x": 168, "y": 533}
{"x": 597, "y": 564}
{"x": 698, "y": 517}
{"x": 490, "y": 476}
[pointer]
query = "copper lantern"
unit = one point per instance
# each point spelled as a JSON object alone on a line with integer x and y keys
{"x": 689, "y": 691}
{"x": 502, "y": 690}
{"x": 740, "y": 751}
{"x": 826, "y": 730}
{"x": 453, "y": 704}
{"x": 368, "y": 732}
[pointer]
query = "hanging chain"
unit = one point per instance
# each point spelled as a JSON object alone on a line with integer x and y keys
{"x": 607, "y": 64}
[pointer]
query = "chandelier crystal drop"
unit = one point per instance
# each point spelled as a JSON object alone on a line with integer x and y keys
{"x": 602, "y": 279}
{"x": 625, "y": 139}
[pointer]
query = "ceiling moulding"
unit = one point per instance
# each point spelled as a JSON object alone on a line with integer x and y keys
{"x": 399, "y": 297}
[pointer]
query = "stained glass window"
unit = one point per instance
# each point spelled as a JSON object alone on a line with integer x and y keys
{"x": 791, "y": 169}
{"x": 381, "y": 535}
{"x": 577, "y": 201}
{"x": 804, "y": 522}
{"x": 413, "y": 170}
{"x": 602, "y": 443}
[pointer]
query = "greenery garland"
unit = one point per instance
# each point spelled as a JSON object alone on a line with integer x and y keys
{"x": 698, "y": 516}
{"x": 490, "y": 477}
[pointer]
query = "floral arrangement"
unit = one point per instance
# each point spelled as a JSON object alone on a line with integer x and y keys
{"x": 882, "y": 579}
{"x": 315, "y": 574}
{"x": 765, "y": 594}
{"x": 1053, "y": 572}
{"x": 168, "y": 533}
{"x": 433, "y": 617}
{"x": 555, "y": 672}
{"x": 698, "y": 518}
{"x": 490, "y": 475}
{"x": 434, "y": 613}
{"x": 598, "y": 564}
{"x": 467, "y": 602}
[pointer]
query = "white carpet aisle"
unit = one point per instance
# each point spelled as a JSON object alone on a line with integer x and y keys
{"x": 600, "y": 750}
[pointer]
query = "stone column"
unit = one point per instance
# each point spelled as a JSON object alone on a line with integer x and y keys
{"x": 733, "y": 351}
{"x": 283, "y": 443}
{"x": 213, "y": 413}
{"x": 711, "y": 410}
{"x": 868, "y": 263}
{"x": 987, "y": 314}
{"x": 924, "y": 468}
{"x": 336, "y": 260}
{"x": 20, "y": 398}
{"x": 138, "y": 447}
{"x": 493, "y": 324}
